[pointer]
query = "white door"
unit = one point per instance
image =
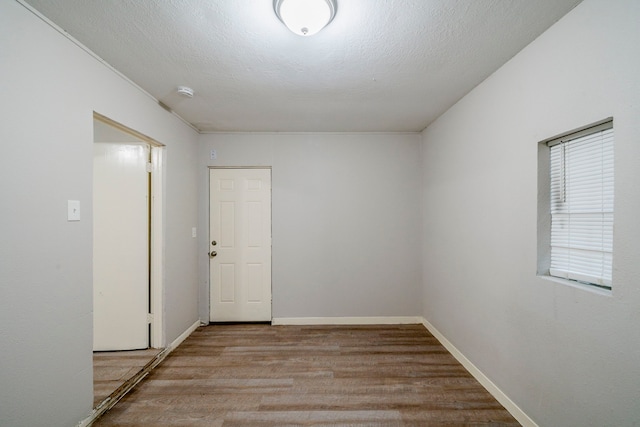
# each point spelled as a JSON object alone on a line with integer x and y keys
{"x": 240, "y": 245}
{"x": 120, "y": 246}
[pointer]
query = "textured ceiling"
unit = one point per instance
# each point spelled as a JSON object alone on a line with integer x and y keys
{"x": 381, "y": 65}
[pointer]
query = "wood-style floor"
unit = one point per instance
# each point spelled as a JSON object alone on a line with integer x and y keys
{"x": 111, "y": 369}
{"x": 261, "y": 375}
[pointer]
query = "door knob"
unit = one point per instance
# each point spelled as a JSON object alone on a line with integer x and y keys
{"x": 213, "y": 253}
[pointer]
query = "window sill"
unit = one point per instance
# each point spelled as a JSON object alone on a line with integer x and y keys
{"x": 574, "y": 284}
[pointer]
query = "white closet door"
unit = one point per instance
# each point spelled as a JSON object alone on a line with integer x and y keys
{"x": 120, "y": 246}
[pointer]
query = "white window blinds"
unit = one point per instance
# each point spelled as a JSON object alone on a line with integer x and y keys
{"x": 582, "y": 206}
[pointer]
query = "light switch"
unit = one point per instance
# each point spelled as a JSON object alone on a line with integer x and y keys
{"x": 213, "y": 155}
{"x": 73, "y": 210}
{"x": 193, "y": 232}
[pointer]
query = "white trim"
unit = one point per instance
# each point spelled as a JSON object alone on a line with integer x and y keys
{"x": 500, "y": 396}
{"x": 109, "y": 402}
{"x": 175, "y": 343}
{"x": 158, "y": 338}
{"x": 272, "y": 132}
{"x": 382, "y": 320}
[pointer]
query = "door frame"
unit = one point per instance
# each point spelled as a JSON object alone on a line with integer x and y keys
{"x": 157, "y": 338}
{"x": 156, "y": 250}
{"x": 209, "y": 168}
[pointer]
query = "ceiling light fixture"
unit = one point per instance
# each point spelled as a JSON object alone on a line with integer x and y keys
{"x": 305, "y": 17}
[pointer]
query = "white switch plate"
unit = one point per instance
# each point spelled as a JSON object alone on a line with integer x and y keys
{"x": 214, "y": 155}
{"x": 73, "y": 210}
{"x": 193, "y": 232}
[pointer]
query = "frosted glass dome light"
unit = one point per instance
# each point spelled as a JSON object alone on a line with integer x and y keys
{"x": 305, "y": 17}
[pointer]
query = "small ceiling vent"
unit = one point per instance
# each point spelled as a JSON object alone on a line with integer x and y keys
{"x": 185, "y": 91}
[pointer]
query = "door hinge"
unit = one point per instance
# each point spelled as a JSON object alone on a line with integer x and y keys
{"x": 149, "y": 167}
{"x": 149, "y": 318}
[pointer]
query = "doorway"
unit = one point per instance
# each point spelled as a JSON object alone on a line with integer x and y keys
{"x": 127, "y": 223}
{"x": 240, "y": 244}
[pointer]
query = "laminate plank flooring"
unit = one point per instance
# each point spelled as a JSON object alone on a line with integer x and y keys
{"x": 111, "y": 369}
{"x": 268, "y": 376}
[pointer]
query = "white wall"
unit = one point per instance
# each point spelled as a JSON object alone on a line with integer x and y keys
{"x": 50, "y": 89}
{"x": 345, "y": 213}
{"x": 566, "y": 356}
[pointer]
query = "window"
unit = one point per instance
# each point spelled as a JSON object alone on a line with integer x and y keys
{"x": 581, "y": 205}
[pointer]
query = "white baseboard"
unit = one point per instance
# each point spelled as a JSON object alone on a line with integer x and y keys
{"x": 175, "y": 343}
{"x": 382, "y": 320}
{"x": 500, "y": 396}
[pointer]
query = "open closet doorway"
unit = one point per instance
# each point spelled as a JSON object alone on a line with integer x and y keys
{"x": 127, "y": 252}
